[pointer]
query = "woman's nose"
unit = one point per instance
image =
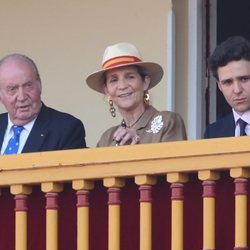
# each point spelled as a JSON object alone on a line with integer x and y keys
{"x": 122, "y": 83}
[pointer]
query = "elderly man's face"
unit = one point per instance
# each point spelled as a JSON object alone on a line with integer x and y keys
{"x": 20, "y": 91}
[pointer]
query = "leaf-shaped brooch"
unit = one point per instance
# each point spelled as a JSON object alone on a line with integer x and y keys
{"x": 156, "y": 125}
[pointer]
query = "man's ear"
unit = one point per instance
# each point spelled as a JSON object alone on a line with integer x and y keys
{"x": 146, "y": 83}
{"x": 219, "y": 84}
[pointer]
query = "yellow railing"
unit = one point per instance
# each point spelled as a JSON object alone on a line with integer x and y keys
{"x": 143, "y": 163}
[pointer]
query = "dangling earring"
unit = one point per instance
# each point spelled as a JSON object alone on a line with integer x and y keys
{"x": 111, "y": 107}
{"x": 146, "y": 97}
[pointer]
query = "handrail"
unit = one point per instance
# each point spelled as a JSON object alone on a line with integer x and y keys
{"x": 125, "y": 161}
{"x": 146, "y": 164}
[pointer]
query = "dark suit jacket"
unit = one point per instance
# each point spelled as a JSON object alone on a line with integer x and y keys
{"x": 224, "y": 127}
{"x": 52, "y": 130}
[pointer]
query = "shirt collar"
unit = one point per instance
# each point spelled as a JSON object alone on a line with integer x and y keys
{"x": 245, "y": 116}
{"x": 27, "y": 126}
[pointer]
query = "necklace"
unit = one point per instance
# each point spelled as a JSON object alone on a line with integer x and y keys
{"x": 123, "y": 124}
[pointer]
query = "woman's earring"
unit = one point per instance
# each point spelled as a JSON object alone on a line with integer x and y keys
{"x": 146, "y": 98}
{"x": 111, "y": 107}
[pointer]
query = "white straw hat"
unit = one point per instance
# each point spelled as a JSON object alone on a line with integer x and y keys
{"x": 120, "y": 55}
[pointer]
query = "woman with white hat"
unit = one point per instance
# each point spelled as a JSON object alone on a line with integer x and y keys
{"x": 125, "y": 79}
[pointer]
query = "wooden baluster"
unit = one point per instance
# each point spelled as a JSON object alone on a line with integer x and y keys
{"x": 240, "y": 214}
{"x": 83, "y": 192}
{"x": 177, "y": 216}
{"x": 177, "y": 180}
{"x": 114, "y": 185}
{"x": 145, "y": 182}
{"x": 208, "y": 183}
{"x": 51, "y": 189}
{"x": 208, "y": 215}
{"x": 21, "y": 196}
{"x": 240, "y": 175}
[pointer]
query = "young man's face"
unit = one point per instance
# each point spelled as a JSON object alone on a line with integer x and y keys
{"x": 234, "y": 83}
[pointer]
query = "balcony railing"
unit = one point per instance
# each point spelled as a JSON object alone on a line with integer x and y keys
{"x": 178, "y": 195}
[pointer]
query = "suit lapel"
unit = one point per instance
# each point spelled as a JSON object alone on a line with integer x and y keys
{"x": 3, "y": 126}
{"x": 228, "y": 129}
{"x": 38, "y": 133}
{"x": 226, "y": 126}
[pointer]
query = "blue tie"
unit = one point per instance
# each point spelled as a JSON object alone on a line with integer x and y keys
{"x": 13, "y": 143}
{"x": 242, "y": 125}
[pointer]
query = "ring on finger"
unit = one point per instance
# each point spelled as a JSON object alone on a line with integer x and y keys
{"x": 136, "y": 139}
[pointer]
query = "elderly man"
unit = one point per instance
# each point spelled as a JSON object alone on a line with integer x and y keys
{"x": 28, "y": 125}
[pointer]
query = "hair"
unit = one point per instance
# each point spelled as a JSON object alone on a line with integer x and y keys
{"x": 17, "y": 56}
{"x": 139, "y": 69}
{"x": 235, "y": 48}
{"x": 141, "y": 72}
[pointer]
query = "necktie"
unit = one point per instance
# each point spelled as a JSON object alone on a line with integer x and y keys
{"x": 13, "y": 143}
{"x": 242, "y": 125}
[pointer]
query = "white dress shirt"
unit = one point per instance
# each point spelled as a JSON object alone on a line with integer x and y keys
{"x": 23, "y": 136}
{"x": 245, "y": 117}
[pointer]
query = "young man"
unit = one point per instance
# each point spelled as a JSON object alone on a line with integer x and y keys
{"x": 230, "y": 65}
{"x": 28, "y": 125}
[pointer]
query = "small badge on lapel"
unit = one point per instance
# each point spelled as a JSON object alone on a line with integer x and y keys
{"x": 156, "y": 125}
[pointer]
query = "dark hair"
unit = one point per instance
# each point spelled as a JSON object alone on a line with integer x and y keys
{"x": 234, "y": 48}
{"x": 24, "y": 58}
{"x": 141, "y": 72}
{"x": 139, "y": 69}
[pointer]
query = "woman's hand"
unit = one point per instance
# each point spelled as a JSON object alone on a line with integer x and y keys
{"x": 125, "y": 136}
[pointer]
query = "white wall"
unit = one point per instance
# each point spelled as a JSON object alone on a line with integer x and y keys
{"x": 67, "y": 39}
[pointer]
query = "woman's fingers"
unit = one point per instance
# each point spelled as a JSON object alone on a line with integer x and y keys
{"x": 124, "y": 136}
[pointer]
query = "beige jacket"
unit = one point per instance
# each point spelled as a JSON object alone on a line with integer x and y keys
{"x": 153, "y": 127}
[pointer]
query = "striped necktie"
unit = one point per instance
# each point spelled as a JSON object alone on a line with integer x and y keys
{"x": 13, "y": 143}
{"x": 242, "y": 125}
